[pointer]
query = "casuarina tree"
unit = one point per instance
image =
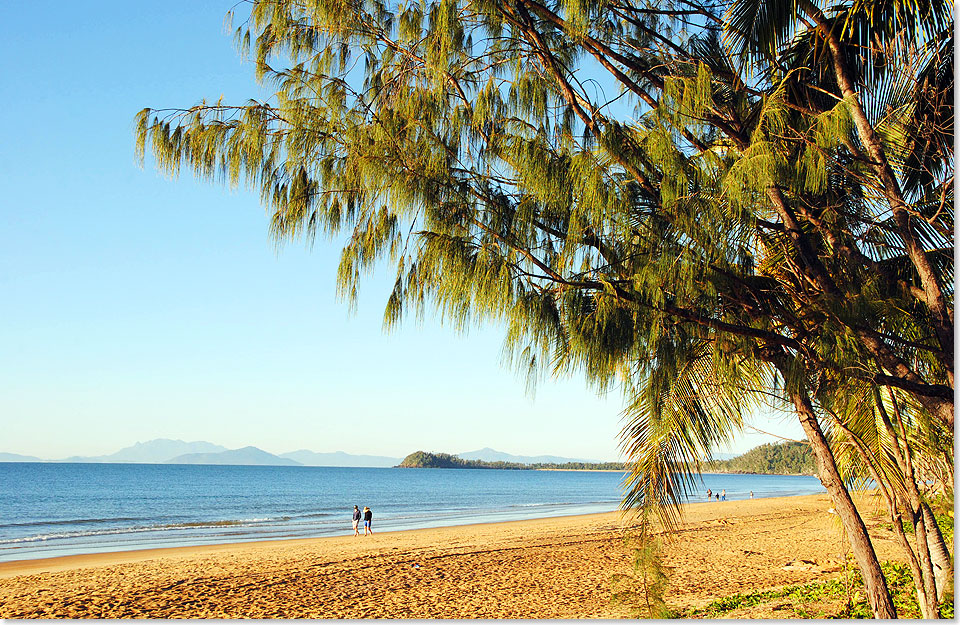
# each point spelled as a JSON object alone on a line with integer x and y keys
{"x": 711, "y": 205}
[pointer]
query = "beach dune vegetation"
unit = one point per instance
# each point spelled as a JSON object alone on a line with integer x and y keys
{"x": 718, "y": 207}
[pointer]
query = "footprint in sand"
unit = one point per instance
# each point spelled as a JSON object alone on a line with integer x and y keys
{"x": 801, "y": 565}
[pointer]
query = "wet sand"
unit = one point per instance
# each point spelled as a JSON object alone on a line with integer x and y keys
{"x": 549, "y": 568}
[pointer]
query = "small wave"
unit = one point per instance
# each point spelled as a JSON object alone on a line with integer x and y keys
{"x": 72, "y": 522}
{"x": 563, "y": 504}
{"x": 190, "y": 525}
{"x": 544, "y": 505}
{"x": 173, "y": 526}
{"x": 78, "y": 534}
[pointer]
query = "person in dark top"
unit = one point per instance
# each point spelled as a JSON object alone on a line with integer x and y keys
{"x": 367, "y": 520}
{"x": 709, "y": 494}
{"x": 356, "y": 521}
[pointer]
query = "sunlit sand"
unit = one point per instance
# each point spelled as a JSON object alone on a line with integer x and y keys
{"x": 550, "y": 568}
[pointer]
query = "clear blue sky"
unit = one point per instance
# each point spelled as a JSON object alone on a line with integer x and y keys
{"x": 137, "y": 307}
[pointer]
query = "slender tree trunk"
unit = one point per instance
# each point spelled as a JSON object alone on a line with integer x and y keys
{"x": 940, "y": 312}
{"x": 928, "y": 599}
{"x": 916, "y": 503}
{"x": 927, "y": 591}
{"x": 912, "y": 560}
{"x": 863, "y": 551}
{"x": 888, "y": 491}
{"x": 939, "y": 554}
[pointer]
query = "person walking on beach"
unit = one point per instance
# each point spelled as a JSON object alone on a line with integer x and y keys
{"x": 717, "y": 495}
{"x": 367, "y": 520}
{"x": 723, "y": 495}
{"x": 356, "y": 521}
{"x": 709, "y": 494}
{"x": 751, "y": 494}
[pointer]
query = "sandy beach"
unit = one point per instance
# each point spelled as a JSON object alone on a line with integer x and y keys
{"x": 550, "y": 568}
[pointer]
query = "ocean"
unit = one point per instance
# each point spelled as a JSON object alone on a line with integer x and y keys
{"x": 57, "y": 509}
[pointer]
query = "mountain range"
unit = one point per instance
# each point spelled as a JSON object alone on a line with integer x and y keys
{"x": 244, "y": 455}
{"x": 168, "y": 451}
{"x": 157, "y": 451}
{"x": 492, "y": 455}
{"x": 339, "y": 459}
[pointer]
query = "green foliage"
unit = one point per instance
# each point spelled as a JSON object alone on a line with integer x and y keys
{"x": 813, "y": 600}
{"x": 786, "y": 458}
{"x": 642, "y": 589}
{"x": 944, "y": 521}
{"x": 581, "y": 466}
{"x": 942, "y": 508}
{"x": 426, "y": 460}
{"x": 729, "y": 238}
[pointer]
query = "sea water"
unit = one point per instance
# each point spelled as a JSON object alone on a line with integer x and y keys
{"x": 55, "y": 509}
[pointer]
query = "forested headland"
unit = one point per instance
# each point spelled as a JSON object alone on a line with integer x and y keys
{"x": 426, "y": 460}
{"x": 788, "y": 458}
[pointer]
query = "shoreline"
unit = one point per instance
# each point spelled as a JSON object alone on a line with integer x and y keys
{"x": 30, "y": 566}
{"x": 105, "y": 556}
{"x": 588, "y": 470}
{"x": 557, "y": 567}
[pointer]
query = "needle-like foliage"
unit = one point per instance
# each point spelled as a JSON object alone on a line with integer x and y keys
{"x": 704, "y": 204}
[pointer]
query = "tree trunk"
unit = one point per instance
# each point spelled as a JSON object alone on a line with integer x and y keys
{"x": 942, "y": 563}
{"x": 940, "y": 312}
{"x": 873, "y": 580}
{"x": 927, "y": 590}
{"x": 928, "y": 600}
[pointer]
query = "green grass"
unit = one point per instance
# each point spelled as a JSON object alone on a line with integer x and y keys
{"x": 816, "y": 599}
{"x": 944, "y": 520}
{"x": 813, "y": 600}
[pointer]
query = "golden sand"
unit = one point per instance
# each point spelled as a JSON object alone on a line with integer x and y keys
{"x": 549, "y": 568}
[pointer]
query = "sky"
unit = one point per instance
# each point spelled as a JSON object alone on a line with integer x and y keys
{"x": 134, "y": 306}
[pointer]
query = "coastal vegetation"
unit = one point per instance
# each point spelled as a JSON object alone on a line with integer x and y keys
{"x": 426, "y": 460}
{"x": 717, "y": 207}
{"x": 841, "y": 598}
{"x": 787, "y": 458}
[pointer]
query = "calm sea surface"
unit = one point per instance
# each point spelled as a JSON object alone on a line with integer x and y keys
{"x": 55, "y": 509}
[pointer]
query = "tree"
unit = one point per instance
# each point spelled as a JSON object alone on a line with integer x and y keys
{"x": 880, "y": 436}
{"x": 772, "y": 218}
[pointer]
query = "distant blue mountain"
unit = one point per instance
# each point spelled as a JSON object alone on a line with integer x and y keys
{"x": 165, "y": 450}
{"x": 244, "y": 455}
{"x": 5, "y": 457}
{"x": 339, "y": 459}
{"x": 492, "y": 455}
{"x": 155, "y": 451}
{"x": 160, "y": 450}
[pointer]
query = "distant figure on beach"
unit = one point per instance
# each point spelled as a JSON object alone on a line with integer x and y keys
{"x": 356, "y": 521}
{"x": 717, "y": 495}
{"x": 367, "y": 520}
{"x": 709, "y": 494}
{"x": 723, "y": 495}
{"x": 751, "y": 494}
